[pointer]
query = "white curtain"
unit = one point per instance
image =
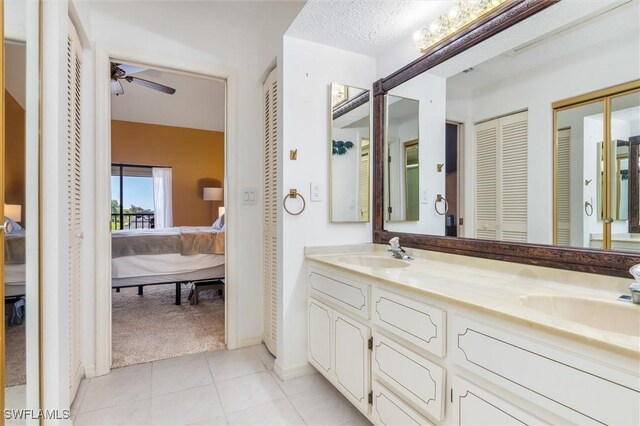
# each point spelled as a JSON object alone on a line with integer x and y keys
{"x": 162, "y": 206}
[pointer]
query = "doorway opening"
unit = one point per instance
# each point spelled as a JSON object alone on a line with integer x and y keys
{"x": 453, "y": 157}
{"x": 167, "y": 214}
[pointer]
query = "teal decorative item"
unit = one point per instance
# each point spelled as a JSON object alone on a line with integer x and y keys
{"x": 341, "y": 147}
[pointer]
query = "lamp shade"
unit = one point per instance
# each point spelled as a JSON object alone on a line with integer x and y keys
{"x": 212, "y": 194}
{"x": 13, "y": 212}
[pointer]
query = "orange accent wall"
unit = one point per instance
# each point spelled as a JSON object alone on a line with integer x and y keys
{"x": 195, "y": 156}
{"x": 15, "y": 139}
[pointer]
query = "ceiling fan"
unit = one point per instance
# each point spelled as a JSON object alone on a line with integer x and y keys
{"x": 121, "y": 72}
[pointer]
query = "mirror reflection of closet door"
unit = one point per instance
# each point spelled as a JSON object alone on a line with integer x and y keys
{"x": 19, "y": 181}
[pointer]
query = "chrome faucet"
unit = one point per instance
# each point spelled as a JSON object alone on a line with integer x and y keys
{"x": 634, "y": 287}
{"x": 397, "y": 251}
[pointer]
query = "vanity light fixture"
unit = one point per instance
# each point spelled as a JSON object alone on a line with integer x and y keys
{"x": 459, "y": 16}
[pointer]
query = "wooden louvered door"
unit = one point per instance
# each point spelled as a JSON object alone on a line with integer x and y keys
{"x": 270, "y": 97}
{"x": 74, "y": 78}
{"x": 486, "y": 180}
{"x": 512, "y": 220}
{"x": 563, "y": 187}
{"x": 501, "y": 178}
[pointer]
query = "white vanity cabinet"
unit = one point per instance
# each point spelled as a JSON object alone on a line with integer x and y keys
{"x": 405, "y": 358}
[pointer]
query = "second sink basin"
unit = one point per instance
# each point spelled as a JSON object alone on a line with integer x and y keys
{"x": 614, "y": 316}
{"x": 374, "y": 261}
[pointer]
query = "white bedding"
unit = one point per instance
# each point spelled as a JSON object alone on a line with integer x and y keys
{"x": 162, "y": 264}
{"x": 164, "y": 231}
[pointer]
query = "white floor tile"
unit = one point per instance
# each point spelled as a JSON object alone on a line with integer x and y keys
{"x": 265, "y": 356}
{"x": 186, "y": 407}
{"x": 217, "y": 421}
{"x": 180, "y": 376}
{"x": 109, "y": 391}
{"x": 279, "y": 412}
{"x": 301, "y": 384}
{"x": 248, "y": 391}
{"x": 174, "y": 362}
{"x": 227, "y": 365}
{"x": 135, "y": 413}
{"x": 324, "y": 407}
{"x": 77, "y": 401}
{"x": 15, "y": 397}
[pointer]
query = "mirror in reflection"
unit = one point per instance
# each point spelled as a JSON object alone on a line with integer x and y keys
{"x": 527, "y": 137}
{"x": 402, "y": 151}
{"x": 350, "y": 153}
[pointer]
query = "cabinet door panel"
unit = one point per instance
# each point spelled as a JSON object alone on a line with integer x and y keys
{"x": 389, "y": 410}
{"x": 419, "y": 323}
{"x": 475, "y": 406}
{"x": 413, "y": 377}
{"x": 351, "y": 347}
{"x": 320, "y": 338}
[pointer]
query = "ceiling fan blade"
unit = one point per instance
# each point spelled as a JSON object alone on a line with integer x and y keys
{"x": 116, "y": 87}
{"x": 151, "y": 85}
{"x": 131, "y": 69}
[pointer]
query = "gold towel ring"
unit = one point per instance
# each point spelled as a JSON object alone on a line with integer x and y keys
{"x": 293, "y": 193}
{"x": 440, "y": 198}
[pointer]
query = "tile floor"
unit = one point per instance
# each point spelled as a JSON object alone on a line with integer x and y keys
{"x": 214, "y": 388}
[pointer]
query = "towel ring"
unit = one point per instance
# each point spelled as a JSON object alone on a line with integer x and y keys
{"x": 293, "y": 193}
{"x": 440, "y": 198}
{"x": 588, "y": 208}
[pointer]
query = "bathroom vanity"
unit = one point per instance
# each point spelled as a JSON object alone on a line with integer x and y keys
{"x": 448, "y": 339}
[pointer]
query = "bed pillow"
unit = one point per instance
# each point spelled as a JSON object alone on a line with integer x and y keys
{"x": 13, "y": 225}
{"x": 219, "y": 223}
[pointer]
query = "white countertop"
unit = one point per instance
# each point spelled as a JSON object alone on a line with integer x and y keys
{"x": 497, "y": 288}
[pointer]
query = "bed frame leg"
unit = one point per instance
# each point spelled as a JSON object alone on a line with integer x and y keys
{"x": 178, "y": 294}
{"x": 140, "y": 291}
{"x": 117, "y": 289}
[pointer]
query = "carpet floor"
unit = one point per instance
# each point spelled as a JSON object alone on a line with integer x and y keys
{"x": 15, "y": 369}
{"x": 151, "y": 327}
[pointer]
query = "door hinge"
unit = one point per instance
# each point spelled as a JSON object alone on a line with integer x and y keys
{"x": 389, "y": 158}
{"x": 461, "y": 221}
{"x": 370, "y": 343}
{"x": 452, "y": 395}
{"x": 389, "y": 209}
{"x": 371, "y": 397}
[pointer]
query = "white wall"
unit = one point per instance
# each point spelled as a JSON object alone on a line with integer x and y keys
{"x": 308, "y": 70}
{"x": 241, "y": 37}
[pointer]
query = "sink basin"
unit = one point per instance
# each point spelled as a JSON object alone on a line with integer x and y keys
{"x": 614, "y": 316}
{"x": 374, "y": 261}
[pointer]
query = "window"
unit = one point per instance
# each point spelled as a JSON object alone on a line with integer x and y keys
{"x": 131, "y": 197}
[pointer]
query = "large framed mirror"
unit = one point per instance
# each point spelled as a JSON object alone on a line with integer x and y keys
{"x": 525, "y": 135}
{"x": 350, "y": 151}
{"x": 20, "y": 204}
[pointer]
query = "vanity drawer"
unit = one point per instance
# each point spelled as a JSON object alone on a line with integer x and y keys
{"x": 345, "y": 293}
{"x": 419, "y": 323}
{"x": 576, "y": 388}
{"x": 390, "y": 410}
{"x": 411, "y": 376}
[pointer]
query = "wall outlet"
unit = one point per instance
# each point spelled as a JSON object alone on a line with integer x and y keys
{"x": 316, "y": 193}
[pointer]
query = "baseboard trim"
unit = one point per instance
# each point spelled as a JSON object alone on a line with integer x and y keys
{"x": 90, "y": 371}
{"x": 252, "y": 341}
{"x": 292, "y": 372}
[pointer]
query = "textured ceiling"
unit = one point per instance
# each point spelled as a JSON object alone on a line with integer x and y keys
{"x": 364, "y": 26}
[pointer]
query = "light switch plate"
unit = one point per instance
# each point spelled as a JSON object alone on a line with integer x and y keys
{"x": 316, "y": 192}
{"x": 249, "y": 196}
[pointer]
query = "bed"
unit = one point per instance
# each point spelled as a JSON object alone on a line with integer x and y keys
{"x": 179, "y": 255}
{"x": 14, "y": 264}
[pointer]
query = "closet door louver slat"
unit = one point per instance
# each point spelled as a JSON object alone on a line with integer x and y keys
{"x": 563, "y": 188}
{"x": 74, "y": 200}
{"x": 270, "y": 92}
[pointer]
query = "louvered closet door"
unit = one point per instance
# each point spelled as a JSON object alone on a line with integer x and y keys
{"x": 513, "y": 178}
{"x": 74, "y": 78}
{"x": 501, "y": 178}
{"x": 563, "y": 187}
{"x": 270, "y": 97}
{"x": 486, "y": 179}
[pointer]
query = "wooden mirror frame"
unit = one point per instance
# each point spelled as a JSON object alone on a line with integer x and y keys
{"x": 575, "y": 259}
